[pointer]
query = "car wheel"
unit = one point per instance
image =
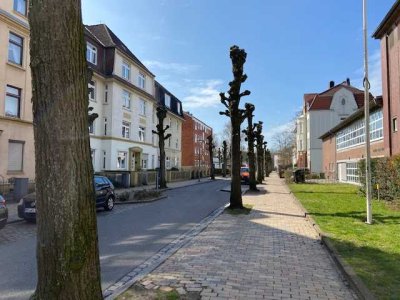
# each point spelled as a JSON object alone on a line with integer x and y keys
{"x": 109, "y": 205}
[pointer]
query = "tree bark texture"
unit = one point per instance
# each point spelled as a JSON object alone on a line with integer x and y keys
{"x": 161, "y": 115}
{"x": 250, "y": 143}
{"x": 211, "y": 147}
{"x": 237, "y": 116}
{"x": 224, "y": 158}
{"x": 67, "y": 246}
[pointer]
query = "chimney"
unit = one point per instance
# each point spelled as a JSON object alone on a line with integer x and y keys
{"x": 331, "y": 84}
{"x": 348, "y": 81}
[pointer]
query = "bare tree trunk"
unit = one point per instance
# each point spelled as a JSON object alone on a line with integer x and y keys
{"x": 250, "y": 143}
{"x": 237, "y": 116}
{"x": 260, "y": 140}
{"x": 161, "y": 115}
{"x": 67, "y": 247}
{"x": 225, "y": 160}
{"x": 211, "y": 147}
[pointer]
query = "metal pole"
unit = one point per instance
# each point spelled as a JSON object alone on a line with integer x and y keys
{"x": 366, "y": 114}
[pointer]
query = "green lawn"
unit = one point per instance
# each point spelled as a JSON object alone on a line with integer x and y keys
{"x": 372, "y": 250}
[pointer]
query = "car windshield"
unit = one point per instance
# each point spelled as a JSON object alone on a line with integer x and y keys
{"x": 98, "y": 180}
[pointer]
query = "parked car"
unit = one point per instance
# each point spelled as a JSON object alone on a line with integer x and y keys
{"x": 244, "y": 174}
{"x": 3, "y": 212}
{"x": 105, "y": 197}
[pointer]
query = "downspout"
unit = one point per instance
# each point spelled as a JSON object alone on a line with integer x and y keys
{"x": 388, "y": 94}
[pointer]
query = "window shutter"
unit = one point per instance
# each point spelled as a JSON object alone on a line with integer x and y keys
{"x": 15, "y": 156}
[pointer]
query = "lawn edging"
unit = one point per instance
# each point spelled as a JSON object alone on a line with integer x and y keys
{"x": 348, "y": 272}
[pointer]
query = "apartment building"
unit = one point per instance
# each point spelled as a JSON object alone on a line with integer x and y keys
{"x": 195, "y": 154}
{"x": 123, "y": 95}
{"x": 344, "y": 145}
{"x": 16, "y": 129}
{"x": 321, "y": 112}
{"x": 388, "y": 32}
{"x": 175, "y": 119}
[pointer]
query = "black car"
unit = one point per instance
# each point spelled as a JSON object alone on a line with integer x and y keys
{"x": 105, "y": 197}
{"x": 3, "y": 212}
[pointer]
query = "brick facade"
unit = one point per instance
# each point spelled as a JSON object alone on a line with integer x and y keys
{"x": 194, "y": 143}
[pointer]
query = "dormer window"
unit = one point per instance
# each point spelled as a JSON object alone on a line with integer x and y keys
{"x": 178, "y": 107}
{"x": 91, "y": 53}
{"x": 167, "y": 100}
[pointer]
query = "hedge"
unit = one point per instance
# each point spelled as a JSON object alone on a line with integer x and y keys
{"x": 385, "y": 172}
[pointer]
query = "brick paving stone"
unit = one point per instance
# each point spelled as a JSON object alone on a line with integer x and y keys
{"x": 272, "y": 253}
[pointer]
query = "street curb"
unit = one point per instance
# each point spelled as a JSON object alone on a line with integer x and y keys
{"x": 357, "y": 285}
{"x": 160, "y": 257}
{"x": 139, "y": 202}
{"x": 181, "y": 187}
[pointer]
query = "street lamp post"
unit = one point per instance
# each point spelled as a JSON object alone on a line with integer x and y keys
{"x": 366, "y": 115}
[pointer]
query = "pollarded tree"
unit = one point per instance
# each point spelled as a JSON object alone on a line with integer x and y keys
{"x": 67, "y": 246}
{"x": 250, "y": 136}
{"x": 161, "y": 115}
{"x": 237, "y": 116}
{"x": 224, "y": 157}
{"x": 263, "y": 159}
{"x": 268, "y": 162}
{"x": 260, "y": 141}
{"x": 211, "y": 147}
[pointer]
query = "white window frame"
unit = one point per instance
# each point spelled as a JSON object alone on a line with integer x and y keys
{"x": 126, "y": 99}
{"x": 126, "y": 70}
{"x": 18, "y": 9}
{"x": 104, "y": 162}
{"x": 142, "y": 134}
{"x": 123, "y": 163}
{"x": 106, "y": 94}
{"x": 143, "y": 105}
{"x": 167, "y": 101}
{"x": 142, "y": 80}
{"x": 92, "y": 127}
{"x": 126, "y": 130}
{"x": 92, "y": 93}
{"x": 91, "y": 53}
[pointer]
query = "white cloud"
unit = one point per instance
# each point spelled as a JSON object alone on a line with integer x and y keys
{"x": 179, "y": 68}
{"x": 205, "y": 94}
{"x": 375, "y": 74}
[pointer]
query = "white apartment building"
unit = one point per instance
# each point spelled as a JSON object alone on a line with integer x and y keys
{"x": 321, "y": 112}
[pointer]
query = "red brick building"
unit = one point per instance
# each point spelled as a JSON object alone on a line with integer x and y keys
{"x": 389, "y": 33}
{"x": 194, "y": 143}
{"x": 343, "y": 146}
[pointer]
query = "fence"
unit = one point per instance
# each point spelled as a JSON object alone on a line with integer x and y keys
{"x": 8, "y": 191}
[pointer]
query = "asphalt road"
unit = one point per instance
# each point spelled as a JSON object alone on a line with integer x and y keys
{"x": 128, "y": 236}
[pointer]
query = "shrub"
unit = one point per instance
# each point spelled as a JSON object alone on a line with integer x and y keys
{"x": 385, "y": 172}
{"x": 288, "y": 176}
{"x": 147, "y": 194}
{"x": 124, "y": 196}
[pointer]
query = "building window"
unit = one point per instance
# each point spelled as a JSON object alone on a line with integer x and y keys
{"x": 169, "y": 142}
{"x": 178, "y": 107}
{"x": 126, "y": 70}
{"x": 92, "y": 90}
{"x": 142, "y": 107}
{"x": 354, "y": 134}
{"x": 20, "y": 6}
{"x": 142, "y": 80}
{"x": 142, "y": 133}
{"x": 15, "y": 47}
{"x": 121, "y": 160}
{"x": 177, "y": 143}
{"x": 104, "y": 159}
{"x": 167, "y": 100}
{"x": 13, "y": 102}
{"x": 106, "y": 94}
{"x": 126, "y": 99}
{"x": 15, "y": 156}
{"x": 93, "y": 155}
{"x": 394, "y": 124}
{"x": 105, "y": 126}
{"x": 352, "y": 172}
{"x": 91, "y": 127}
{"x": 145, "y": 159}
{"x": 126, "y": 128}
{"x": 91, "y": 53}
{"x": 167, "y": 163}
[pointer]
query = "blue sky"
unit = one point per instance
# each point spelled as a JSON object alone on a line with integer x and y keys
{"x": 293, "y": 47}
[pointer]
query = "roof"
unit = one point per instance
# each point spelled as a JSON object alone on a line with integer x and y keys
{"x": 323, "y": 101}
{"x": 108, "y": 39}
{"x": 160, "y": 100}
{"x": 374, "y": 105}
{"x": 388, "y": 21}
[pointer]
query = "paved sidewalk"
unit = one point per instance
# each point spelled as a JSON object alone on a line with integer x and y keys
{"x": 272, "y": 253}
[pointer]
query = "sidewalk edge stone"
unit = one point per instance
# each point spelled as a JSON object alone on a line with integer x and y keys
{"x": 348, "y": 272}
